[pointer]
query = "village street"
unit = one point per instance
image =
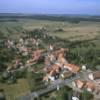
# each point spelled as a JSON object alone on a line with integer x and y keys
{"x": 51, "y": 87}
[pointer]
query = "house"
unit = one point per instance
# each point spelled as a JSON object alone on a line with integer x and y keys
{"x": 9, "y": 44}
{"x": 71, "y": 67}
{"x": 50, "y": 47}
{"x": 52, "y": 72}
{"x": 94, "y": 76}
{"x": 33, "y": 41}
{"x": 50, "y": 76}
{"x": 57, "y": 52}
{"x": 52, "y": 58}
{"x": 61, "y": 51}
{"x": 21, "y": 40}
{"x": 47, "y": 62}
{"x": 45, "y": 78}
{"x": 54, "y": 67}
{"x": 61, "y": 59}
{"x": 29, "y": 61}
{"x": 66, "y": 74}
{"x": 90, "y": 86}
{"x": 78, "y": 83}
{"x": 36, "y": 54}
{"x": 75, "y": 98}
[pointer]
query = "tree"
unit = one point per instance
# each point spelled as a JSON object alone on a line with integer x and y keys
{"x": 86, "y": 95}
{"x": 64, "y": 94}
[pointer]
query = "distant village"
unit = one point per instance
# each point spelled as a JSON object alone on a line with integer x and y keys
{"x": 55, "y": 65}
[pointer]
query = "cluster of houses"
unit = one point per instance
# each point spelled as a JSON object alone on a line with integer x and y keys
{"x": 24, "y": 47}
{"x": 92, "y": 84}
{"x": 88, "y": 85}
{"x": 57, "y": 66}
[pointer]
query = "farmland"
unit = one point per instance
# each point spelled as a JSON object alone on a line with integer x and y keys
{"x": 73, "y": 31}
{"x": 83, "y": 41}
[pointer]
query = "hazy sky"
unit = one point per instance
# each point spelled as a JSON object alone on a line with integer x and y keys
{"x": 51, "y": 6}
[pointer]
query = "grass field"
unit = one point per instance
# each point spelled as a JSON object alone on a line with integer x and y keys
{"x": 15, "y": 90}
{"x": 80, "y": 31}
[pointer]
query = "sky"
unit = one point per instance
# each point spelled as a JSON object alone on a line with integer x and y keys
{"x": 51, "y": 6}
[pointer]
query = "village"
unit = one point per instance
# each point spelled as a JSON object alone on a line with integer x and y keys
{"x": 55, "y": 67}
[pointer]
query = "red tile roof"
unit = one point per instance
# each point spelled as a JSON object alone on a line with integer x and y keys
{"x": 90, "y": 86}
{"x": 73, "y": 68}
{"x": 96, "y": 75}
{"x": 79, "y": 83}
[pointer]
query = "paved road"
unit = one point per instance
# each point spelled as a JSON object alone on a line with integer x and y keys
{"x": 51, "y": 87}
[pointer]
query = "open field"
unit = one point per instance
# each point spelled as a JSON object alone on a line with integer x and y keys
{"x": 79, "y": 31}
{"x": 14, "y": 90}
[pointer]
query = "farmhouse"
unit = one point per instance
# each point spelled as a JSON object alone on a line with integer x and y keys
{"x": 94, "y": 75}
{"x": 71, "y": 67}
{"x": 66, "y": 74}
{"x": 90, "y": 86}
{"x": 78, "y": 83}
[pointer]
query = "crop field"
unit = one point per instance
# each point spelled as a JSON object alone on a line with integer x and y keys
{"x": 71, "y": 31}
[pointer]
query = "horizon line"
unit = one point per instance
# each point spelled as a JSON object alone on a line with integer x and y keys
{"x": 48, "y": 13}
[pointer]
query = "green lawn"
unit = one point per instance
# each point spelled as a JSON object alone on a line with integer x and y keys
{"x": 14, "y": 90}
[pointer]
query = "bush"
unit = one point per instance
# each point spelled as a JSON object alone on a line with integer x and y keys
{"x": 35, "y": 82}
{"x": 11, "y": 80}
{"x": 20, "y": 73}
{"x": 86, "y": 96}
